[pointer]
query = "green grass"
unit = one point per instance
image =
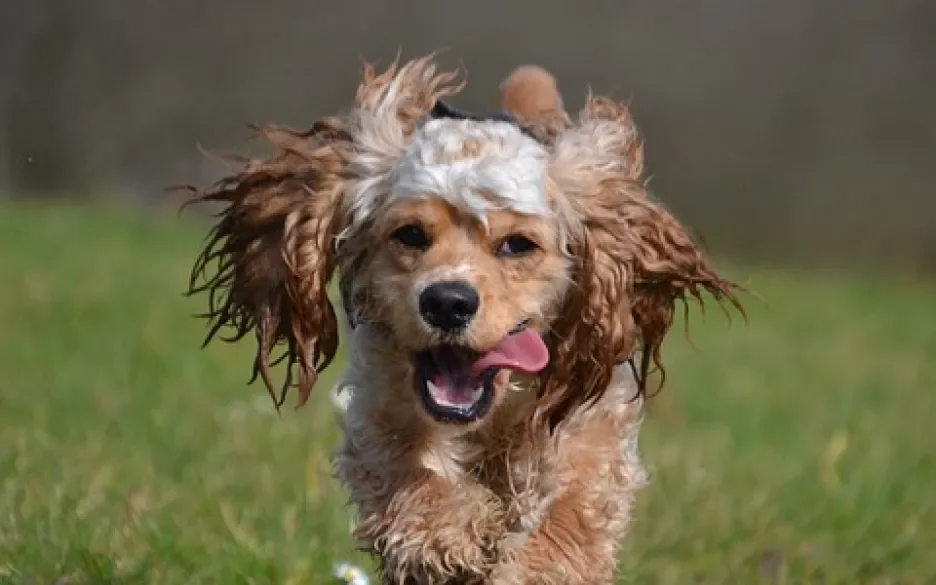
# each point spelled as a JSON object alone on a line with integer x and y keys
{"x": 799, "y": 448}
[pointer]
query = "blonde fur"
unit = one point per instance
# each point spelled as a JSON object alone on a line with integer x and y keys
{"x": 539, "y": 489}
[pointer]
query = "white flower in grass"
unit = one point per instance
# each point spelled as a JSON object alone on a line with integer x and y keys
{"x": 341, "y": 395}
{"x": 350, "y": 574}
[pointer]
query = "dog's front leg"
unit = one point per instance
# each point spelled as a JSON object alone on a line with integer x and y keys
{"x": 432, "y": 530}
{"x": 575, "y": 544}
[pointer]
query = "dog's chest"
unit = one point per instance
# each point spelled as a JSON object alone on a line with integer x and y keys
{"x": 520, "y": 476}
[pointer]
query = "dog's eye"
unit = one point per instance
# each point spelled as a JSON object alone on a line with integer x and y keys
{"x": 513, "y": 246}
{"x": 412, "y": 236}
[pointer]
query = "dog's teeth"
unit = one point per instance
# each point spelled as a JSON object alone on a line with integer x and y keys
{"x": 439, "y": 396}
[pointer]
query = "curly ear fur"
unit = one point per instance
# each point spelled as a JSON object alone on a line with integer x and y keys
{"x": 635, "y": 261}
{"x": 405, "y": 94}
{"x": 286, "y": 220}
{"x": 269, "y": 258}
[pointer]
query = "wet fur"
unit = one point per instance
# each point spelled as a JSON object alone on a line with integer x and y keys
{"x": 540, "y": 490}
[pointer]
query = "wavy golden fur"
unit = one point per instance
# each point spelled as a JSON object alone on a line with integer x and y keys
{"x": 555, "y": 235}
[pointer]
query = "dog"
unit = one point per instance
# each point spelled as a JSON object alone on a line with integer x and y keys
{"x": 507, "y": 282}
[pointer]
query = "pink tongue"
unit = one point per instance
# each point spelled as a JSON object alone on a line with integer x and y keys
{"x": 524, "y": 351}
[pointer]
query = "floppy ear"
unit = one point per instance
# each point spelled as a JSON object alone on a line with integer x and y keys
{"x": 272, "y": 254}
{"x": 270, "y": 257}
{"x": 634, "y": 261}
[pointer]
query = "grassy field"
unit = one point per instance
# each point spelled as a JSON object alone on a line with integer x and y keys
{"x": 800, "y": 448}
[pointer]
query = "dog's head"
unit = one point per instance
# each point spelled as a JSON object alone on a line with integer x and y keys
{"x": 476, "y": 247}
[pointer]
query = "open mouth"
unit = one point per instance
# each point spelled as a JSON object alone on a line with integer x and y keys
{"x": 456, "y": 384}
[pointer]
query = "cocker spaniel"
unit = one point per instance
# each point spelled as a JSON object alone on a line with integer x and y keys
{"x": 507, "y": 283}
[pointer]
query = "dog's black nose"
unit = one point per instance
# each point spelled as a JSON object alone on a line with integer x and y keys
{"x": 449, "y": 306}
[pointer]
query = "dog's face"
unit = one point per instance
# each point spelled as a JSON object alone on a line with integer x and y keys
{"x": 465, "y": 268}
{"x": 476, "y": 249}
{"x": 466, "y": 301}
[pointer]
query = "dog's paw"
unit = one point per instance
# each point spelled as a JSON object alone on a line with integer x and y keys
{"x": 454, "y": 540}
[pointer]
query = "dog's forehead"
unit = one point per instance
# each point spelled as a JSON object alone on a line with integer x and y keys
{"x": 476, "y": 166}
{"x": 447, "y": 140}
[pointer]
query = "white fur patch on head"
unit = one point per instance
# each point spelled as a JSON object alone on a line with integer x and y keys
{"x": 475, "y": 166}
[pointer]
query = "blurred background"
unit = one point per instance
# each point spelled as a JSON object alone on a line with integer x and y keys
{"x": 794, "y": 130}
{"x": 796, "y": 137}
